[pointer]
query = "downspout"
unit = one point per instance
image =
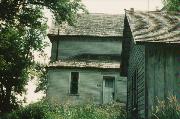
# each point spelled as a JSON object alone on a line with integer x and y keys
{"x": 57, "y": 47}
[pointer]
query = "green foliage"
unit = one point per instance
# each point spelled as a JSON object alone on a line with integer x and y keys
{"x": 39, "y": 70}
{"x": 172, "y": 5}
{"x": 45, "y": 110}
{"x": 63, "y": 10}
{"x": 169, "y": 109}
{"x": 16, "y": 47}
{"x": 22, "y": 30}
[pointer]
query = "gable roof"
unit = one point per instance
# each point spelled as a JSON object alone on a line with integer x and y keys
{"x": 92, "y": 25}
{"x": 154, "y": 26}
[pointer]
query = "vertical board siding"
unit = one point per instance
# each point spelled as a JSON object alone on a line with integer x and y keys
{"x": 150, "y": 74}
{"x": 169, "y": 72}
{"x": 161, "y": 73}
{"x": 136, "y": 67}
{"x": 177, "y": 73}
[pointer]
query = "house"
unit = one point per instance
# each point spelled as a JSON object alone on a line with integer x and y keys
{"x": 85, "y": 61}
{"x": 150, "y": 59}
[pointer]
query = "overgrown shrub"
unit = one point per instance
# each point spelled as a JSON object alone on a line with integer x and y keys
{"x": 45, "y": 110}
{"x": 169, "y": 109}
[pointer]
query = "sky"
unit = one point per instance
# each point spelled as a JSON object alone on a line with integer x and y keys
{"x": 118, "y": 6}
{"x": 99, "y": 6}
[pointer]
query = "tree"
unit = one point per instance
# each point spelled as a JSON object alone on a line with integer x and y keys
{"x": 172, "y": 5}
{"x": 39, "y": 70}
{"x": 63, "y": 10}
{"x": 22, "y": 30}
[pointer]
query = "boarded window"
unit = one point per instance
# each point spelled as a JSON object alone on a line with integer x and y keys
{"x": 74, "y": 83}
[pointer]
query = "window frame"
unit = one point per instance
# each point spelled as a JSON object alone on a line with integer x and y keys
{"x": 70, "y": 80}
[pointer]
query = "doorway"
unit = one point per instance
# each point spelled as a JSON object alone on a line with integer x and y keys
{"x": 108, "y": 89}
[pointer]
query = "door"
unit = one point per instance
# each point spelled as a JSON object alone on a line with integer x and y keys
{"x": 108, "y": 89}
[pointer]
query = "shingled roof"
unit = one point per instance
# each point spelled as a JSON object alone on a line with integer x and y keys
{"x": 154, "y": 26}
{"x": 89, "y": 61}
{"x": 85, "y": 64}
{"x": 92, "y": 25}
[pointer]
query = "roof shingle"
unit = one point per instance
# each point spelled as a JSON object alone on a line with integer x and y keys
{"x": 154, "y": 26}
{"x": 89, "y": 61}
{"x": 92, "y": 25}
{"x": 85, "y": 64}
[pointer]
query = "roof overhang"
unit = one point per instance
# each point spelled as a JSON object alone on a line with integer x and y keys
{"x": 53, "y": 37}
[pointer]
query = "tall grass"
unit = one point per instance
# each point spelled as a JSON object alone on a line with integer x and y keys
{"x": 45, "y": 110}
{"x": 169, "y": 109}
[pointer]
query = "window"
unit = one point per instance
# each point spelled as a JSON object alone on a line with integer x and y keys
{"x": 109, "y": 81}
{"x": 74, "y": 83}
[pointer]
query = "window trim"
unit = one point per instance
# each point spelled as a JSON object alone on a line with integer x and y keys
{"x": 112, "y": 78}
{"x": 115, "y": 85}
{"x": 70, "y": 94}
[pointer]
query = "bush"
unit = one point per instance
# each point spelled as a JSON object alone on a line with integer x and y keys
{"x": 38, "y": 110}
{"x": 169, "y": 109}
{"x": 45, "y": 110}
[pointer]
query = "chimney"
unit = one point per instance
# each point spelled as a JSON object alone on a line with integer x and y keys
{"x": 157, "y": 9}
{"x": 131, "y": 10}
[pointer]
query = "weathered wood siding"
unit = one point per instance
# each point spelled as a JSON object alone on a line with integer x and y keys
{"x": 69, "y": 47}
{"x": 162, "y": 73}
{"x": 136, "y": 82}
{"x": 126, "y": 46}
{"x": 133, "y": 66}
{"x": 121, "y": 89}
{"x": 54, "y": 50}
{"x": 90, "y": 85}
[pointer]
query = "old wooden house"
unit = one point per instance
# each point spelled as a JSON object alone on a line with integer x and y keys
{"x": 85, "y": 60}
{"x": 150, "y": 59}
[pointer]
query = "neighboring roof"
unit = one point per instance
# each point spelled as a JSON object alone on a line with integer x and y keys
{"x": 92, "y": 25}
{"x": 154, "y": 26}
{"x": 89, "y": 61}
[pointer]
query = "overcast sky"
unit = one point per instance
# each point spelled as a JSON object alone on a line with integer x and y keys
{"x": 118, "y": 6}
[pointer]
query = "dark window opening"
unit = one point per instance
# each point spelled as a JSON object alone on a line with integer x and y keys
{"x": 74, "y": 83}
{"x": 109, "y": 81}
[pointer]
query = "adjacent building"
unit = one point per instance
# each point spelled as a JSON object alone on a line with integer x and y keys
{"x": 150, "y": 59}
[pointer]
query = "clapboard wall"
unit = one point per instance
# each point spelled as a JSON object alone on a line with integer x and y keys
{"x": 90, "y": 85}
{"x": 64, "y": 47}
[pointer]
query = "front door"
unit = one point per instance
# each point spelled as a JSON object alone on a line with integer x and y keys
{"x": 108, "y": 89}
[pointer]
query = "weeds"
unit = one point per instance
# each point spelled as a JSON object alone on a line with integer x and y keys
{"x": 45, "y": 110}
{"x": 169, "y": 109}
